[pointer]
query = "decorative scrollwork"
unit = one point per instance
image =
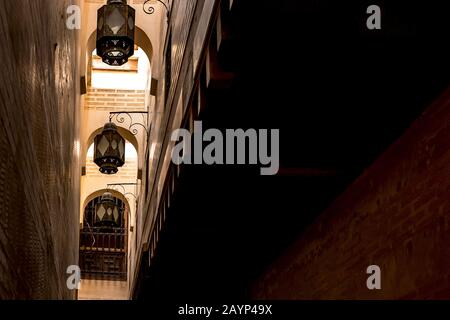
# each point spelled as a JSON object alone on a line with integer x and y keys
{"x": 120, "y": 117}
{"x": 150, "y": 9}
{"x": 135, "y": 131}
{"x": 116, "y": 186}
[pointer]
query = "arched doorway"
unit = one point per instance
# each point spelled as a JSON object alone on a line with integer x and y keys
{"x": 104, "y": 237}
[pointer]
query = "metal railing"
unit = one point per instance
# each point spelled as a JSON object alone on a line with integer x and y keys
{"x": 103, "y": 253}
{"x": 95, "y": 239}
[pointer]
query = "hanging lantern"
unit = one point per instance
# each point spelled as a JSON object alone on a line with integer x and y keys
{"x": 115, "y": 32}
{"x": 109, "y": 148}
{"x": 106, "y": 212}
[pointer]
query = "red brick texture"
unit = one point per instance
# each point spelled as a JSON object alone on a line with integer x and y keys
{"x": 396, "y": 215}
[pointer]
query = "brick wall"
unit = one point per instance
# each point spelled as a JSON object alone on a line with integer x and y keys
{"x": 396, "y": 215}
{"x": 127, "y": 172}
{"x": 39, "y": 171}
{"x": 110, "y": 99}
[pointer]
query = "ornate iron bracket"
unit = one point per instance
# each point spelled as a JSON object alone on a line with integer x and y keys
{"x": 110, "y": 186}
{"x": 119, "y": 116}
{"x": 150, "y": 9}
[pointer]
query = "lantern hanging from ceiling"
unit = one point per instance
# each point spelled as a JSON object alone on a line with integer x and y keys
{"x": 107, "y": 212}
{"x": 115, "y": 32}
{"x": 109, "y": 149}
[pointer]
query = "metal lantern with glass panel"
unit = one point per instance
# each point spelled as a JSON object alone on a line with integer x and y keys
{"x": 107, "y": 212}
{"x": 115, "y": 32}
{"x": 109, "y": 149}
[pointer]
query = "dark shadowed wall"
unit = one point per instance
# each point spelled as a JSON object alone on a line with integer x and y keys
{"x": 396, "y": 216}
